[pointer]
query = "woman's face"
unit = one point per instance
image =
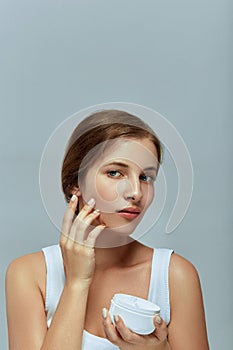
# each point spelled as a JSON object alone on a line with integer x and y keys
{"x": 121, "y": 181}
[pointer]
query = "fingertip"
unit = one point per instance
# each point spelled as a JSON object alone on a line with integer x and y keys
{"x": 91, "y": 202}
{"x": 96, "y": 212}
{"x": 74, "y": 198}
{"x": 158, "y": 320}
{"x": 73, "y": 202}
{"x": 104, "y": 312}
{"x": 101, "y": 228}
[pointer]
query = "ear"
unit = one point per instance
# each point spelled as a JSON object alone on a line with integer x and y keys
{"x": 76, "y": 190}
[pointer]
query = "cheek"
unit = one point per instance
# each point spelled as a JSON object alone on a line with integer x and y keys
{"x": 106, "y": 190}
{"x": 149, "y": 195}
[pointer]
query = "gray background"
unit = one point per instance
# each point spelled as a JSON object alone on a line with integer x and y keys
{"x": 173, "y": 56}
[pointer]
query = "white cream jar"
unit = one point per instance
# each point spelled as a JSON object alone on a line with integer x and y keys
{"x": 136, "y": 313}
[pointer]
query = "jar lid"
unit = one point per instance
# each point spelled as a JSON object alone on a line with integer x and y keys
{"x": 136, "y": 304}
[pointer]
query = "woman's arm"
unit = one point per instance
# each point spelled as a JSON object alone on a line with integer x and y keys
{"x": 187, "y": 329}
{"x": 27, "y": 326}
{"x": 25, "y": 304}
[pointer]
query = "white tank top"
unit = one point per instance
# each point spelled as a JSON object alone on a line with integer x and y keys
{"x": 158, "y": 290}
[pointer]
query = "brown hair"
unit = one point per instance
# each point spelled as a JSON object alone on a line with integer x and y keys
{"x": 94, "y": 130}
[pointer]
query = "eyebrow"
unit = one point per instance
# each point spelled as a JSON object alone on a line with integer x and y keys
{"x": 126, "y": 166}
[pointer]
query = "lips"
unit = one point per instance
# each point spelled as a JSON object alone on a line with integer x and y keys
{"x": 129, "y": 212}
{"x": 134, "y": 210}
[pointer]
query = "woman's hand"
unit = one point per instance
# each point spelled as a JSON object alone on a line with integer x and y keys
{"x": 125, "y": 339}
{"x": 77, "y": 242}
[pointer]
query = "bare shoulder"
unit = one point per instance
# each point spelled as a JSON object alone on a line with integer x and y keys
{"x": 29, "y": 268}
{"x": 183, "y": 280}
{"x": 182, "y": 270}
{"x": 25, "y": 301}
{"x": 187, "y": 328}
{"x": 27, "y": 263}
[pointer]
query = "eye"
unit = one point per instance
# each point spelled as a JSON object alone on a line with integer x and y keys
{"x": 147, "y": 178}
{"x": 114, "y": 173}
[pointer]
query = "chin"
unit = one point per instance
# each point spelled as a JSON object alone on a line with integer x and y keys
{"x": 123, "y": 228}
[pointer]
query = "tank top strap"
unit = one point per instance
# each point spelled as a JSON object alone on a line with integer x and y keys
{"x": 55, "y": 280}
{"x": 159, "y": 283}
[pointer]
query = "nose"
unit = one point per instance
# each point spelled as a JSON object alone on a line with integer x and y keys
{"x": 133, "y": 189}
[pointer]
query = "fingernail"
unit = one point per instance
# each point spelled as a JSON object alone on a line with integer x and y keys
{"x": 158, "y": 319}
{"x": 116, "y": 318}
{"x": 91, "y": 202}
{"x": 73, "y": 198}
{"x": 104, "y": 312}
{"x": 96, "y": 211}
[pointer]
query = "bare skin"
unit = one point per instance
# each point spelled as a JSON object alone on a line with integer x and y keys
{"x": 94, "y": 275}
{"x": 115, "y": 271}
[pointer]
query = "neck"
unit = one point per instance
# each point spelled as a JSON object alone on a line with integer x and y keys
{"x": 123, "y": 255}
{"x": 111, "y": 239}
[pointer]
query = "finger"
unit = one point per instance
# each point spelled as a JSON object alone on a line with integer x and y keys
{"x": 109, "y": 329}
{"x": 69, "y": 215}
{"x": 87, "y": 208}
{"x": 63, "y": 240}
{"x": 161, "y": 330}
{"x": 93, "y": 235}
{"x": 91, "y": 217}
{"x": 80, "y": 228}
{"x": 126, "y": 334}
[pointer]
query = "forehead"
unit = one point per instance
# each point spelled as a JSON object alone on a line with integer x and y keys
{"x": 139, "y": 152}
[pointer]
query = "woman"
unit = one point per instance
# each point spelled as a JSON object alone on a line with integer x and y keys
{"x": 59, "y": 298}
